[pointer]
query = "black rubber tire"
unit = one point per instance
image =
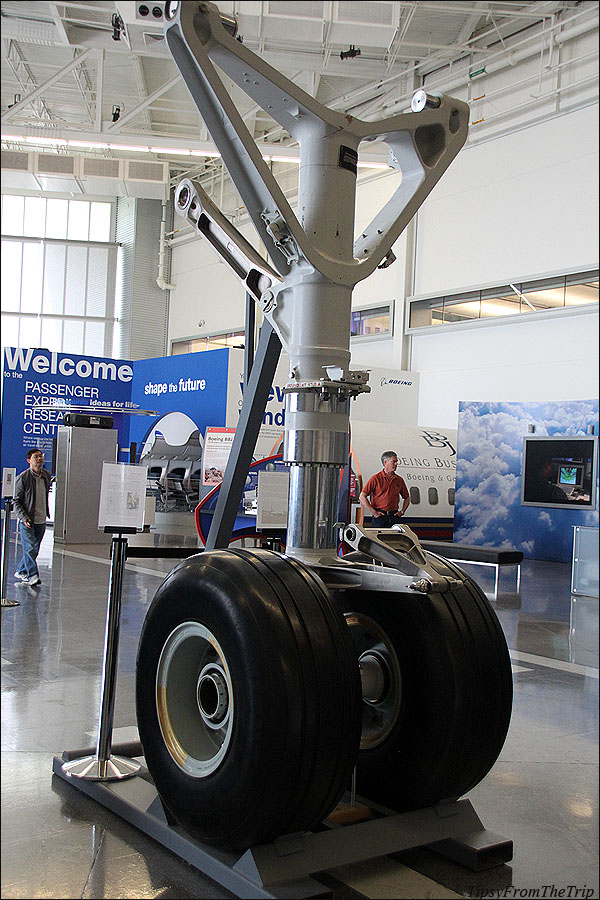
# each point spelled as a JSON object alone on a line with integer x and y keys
{"x": 295, "y": 727}
{"x": 455, "y": 693}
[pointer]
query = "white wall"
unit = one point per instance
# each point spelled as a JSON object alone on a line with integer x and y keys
{"x": 205, "y": 289}
{"x": 521, "y": 205}
{"x": 528, "y": 360}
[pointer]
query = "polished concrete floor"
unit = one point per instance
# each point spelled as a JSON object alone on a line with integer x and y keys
{"x": 57, "y": 842}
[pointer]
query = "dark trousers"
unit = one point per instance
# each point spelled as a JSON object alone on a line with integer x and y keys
{"x": 386, "y": 520}
{"x": 31, "y": 538}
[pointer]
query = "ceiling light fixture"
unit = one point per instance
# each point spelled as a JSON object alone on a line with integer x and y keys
{"x": 91, "y": 144}
{"x": 172, "y": 150}
{"x": 372, "y": 165}
{"x": 128, "y": 148}
{"x": 45, "y": 140}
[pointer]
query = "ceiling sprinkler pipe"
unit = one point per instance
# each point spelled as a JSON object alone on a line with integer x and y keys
{"x": 162, "y": 284}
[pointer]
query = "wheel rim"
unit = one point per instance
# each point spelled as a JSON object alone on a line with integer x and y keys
{"x": 380, "y": 679}
{"x": 194, "y": 699}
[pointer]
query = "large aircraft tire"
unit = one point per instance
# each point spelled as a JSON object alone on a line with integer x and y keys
{"x": 438, "y": 696}
{"x": 248, "y": 697}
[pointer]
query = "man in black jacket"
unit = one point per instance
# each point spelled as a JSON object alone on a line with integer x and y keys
{"x": 31, "y": 506}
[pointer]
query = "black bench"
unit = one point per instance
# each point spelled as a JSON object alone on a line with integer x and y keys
{"x": 478, "y": 556}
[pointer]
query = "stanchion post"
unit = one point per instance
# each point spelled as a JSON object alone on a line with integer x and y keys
{"x": 5, "y": 551}
{"x": 103, "y": 766}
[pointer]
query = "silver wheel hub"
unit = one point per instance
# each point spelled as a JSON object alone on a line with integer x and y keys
{"x": 213, "y": 695}
{"x": 380, "y": 678}
{"x": 194, "y": 699}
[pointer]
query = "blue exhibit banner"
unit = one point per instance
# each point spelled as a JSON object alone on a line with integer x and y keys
{"x": 39, "y": 386}
{"x": 189, "y": 392}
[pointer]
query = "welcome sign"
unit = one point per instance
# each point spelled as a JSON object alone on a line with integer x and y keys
{"x": 39, "y": 386}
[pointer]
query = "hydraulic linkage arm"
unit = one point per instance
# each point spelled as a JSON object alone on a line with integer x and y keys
{"x": 307, "y": 295}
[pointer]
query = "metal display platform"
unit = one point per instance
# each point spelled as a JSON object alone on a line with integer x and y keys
{"x": 289, "y": 867}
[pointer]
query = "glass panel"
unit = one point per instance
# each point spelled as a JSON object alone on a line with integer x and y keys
{"x": 584, "y": 570}
{"x": 54, "y": 278}
{"x": 79, "y": 220}
{"x": 31, "y": 287}
{"x": 580, "y": 294}
{"x": 370, "y": 321}
{"x": 73, "y": 337}
{"x": 35, "y": 217}
{"x": 415, "y": 495}
{"x": 432, "y": 496}
{"x": 451, "y": 493}
{"x": 57, "y": 214}
{"x": 375, "y": 324}
{"x": 52, "y": 334}
{"x": 13, "y": 209}
{"x": 11, "y": 275}
{"x": 94, "y": 338}
{"x": 180, "y": 347}
{"x": 96, "y": 282}
{"x": 10, "y": 331}
{"x": 100, "y": 221}
{"x": 76, "y": 279}
{"x": 524, "y": 298}
{"x": 216, "y": 342}
{"x": 29, "y": 331}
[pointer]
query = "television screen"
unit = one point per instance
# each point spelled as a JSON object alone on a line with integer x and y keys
{"x": 559, "y": 472}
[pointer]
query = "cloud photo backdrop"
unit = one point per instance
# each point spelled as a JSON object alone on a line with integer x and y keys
{"x": 488, "y": 509}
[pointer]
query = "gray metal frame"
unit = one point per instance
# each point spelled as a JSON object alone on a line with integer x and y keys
{"x": 286, "y": 867}
{"x": 255, "y": 398}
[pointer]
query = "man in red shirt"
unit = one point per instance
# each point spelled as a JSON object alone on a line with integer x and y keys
{"x": 380, "y": 496}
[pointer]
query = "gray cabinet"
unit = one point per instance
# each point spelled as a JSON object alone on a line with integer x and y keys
{"x": 80, "y": 453}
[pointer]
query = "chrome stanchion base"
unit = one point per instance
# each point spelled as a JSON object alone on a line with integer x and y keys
{"x": 115, "y": 768}
{"x": 7, "y": 602}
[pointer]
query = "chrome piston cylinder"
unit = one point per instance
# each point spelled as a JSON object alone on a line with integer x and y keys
{"x": 316, "y": 448}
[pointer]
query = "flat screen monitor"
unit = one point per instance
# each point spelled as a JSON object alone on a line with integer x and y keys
{"x": 570, "y": 475}
{"x": 559, "y": 472}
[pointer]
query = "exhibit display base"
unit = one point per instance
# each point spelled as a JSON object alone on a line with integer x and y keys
{"x": 288, "y": 866}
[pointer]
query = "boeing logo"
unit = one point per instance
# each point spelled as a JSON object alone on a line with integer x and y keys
{"x": 385, "y": 381}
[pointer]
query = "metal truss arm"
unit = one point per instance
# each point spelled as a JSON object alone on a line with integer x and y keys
{"x": 256, "y": 394}
{"x": 422, "y": 145}
{"x": 196, "y": 207}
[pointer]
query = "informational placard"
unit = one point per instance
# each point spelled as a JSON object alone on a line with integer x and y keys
{"x": 272, "y": 500}
{"x": 8, "y": 482}
{"x": 217, "y": 447}
{"x": 122, "y": 496}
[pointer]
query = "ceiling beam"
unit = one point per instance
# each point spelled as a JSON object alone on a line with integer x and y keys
{"x": 37, "y": 93}
{"x": 58, "y": 23}
{"x": 99, "y": 88}
{"x": 116, "y": 126}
